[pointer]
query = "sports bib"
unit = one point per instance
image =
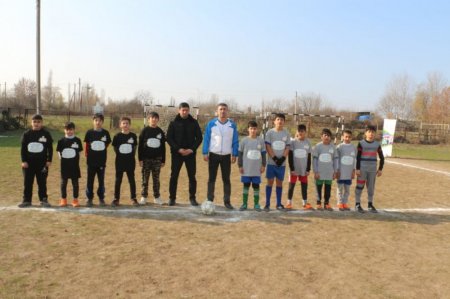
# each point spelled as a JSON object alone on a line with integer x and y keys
{"x": 68, "y": 153}
{"x": 300, "y": 153}
{"x": 98, "y": 146}
{"x": 153, "y": 142}
{"x": 35, "y": 147}
{"x": 325, "y": 158}
{"x": 347, "y": 160}
{"x": 125, "y": 148}
{"x": 253, "y": 155}
{"x": 278, "y": 145}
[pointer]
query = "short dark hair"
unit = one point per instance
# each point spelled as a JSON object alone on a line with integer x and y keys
{"x": 183, "y": 105}
{"x": 98, "y": 115}
{"x": 125, "y": 118}
{"x": 301, "y": 127}
{"x": 279, "y": 115}
{"x": 69, "y": 125}
{"x": 37, "y": 117}
{"x": 153, "y": 114}
{"x": 222, "y": 104}
{"x": 371, "y": 128}
{"x": 326, "y": 131}
{"x": 347, "y": 131}
{"x": 252, "y": 124}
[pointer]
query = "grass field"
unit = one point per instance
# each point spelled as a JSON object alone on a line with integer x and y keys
{"x": 179, "y": 253}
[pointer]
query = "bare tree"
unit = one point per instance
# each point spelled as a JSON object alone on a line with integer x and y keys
{"x": 425, "y": 94}
{"x": 398, "y": 98}
{"x": 25, "y": 93}
{"x": 145, "y": 97}
{"x": 310, "y": 103}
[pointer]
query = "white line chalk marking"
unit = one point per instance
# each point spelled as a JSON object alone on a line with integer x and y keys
{"x": 419, "y": 167}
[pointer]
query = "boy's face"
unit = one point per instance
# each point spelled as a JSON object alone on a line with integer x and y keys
{"x": 301, "y": 135}
{"x": 184, "y": 112}
{"x": 278, "y": 122}
{"x": 36, "y": 124}
{"x": 326, "y": 139}
{"x": 98, "y": 123}
{"x": 370, "y": 135}
{"x": 69, "y": 132}
{"x": 125, "y": 125}
{"x": 252, "y": 131}
{"x": 347, "y": 138}
{"x": 153, "y": 121}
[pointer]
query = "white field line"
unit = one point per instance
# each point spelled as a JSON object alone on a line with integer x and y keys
{"x": 419, "y": 167}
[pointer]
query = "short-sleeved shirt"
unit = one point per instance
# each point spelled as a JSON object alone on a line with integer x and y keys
{"x": 125, "y": 148}
{"x": 325, "y": 157}
{"x": 300, "y": 150}
{"x": 69, "y": 150}
{"x": 252, "y": 148}
{"x": 279, "y": 141}
{"x": 98, "y": 142}
{"x": 347, "y": 160}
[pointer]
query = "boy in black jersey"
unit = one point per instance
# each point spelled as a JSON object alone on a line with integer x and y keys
{"x": 152, "y": 156}
{"x": 124, "y": 144}
{"x": 97, "y": 141}
{"x": 36, "y": 154}
{"x": 69, "y": 148}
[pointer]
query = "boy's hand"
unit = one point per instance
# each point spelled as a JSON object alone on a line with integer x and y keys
{"x": 205, "y": 158}
{"x": 241, "y": 170}
{"x": 262, "y": 169}
{"x": 24, "y": 165}
{"x": 335, "y": 175}
{"x": 353, "y": 174}
{"x": 233, "y": 159}
{"x": 281, "y": 161}
{"x": 317, "y": 176}
{"x": 379, "y": 173}
{"x": 358, "y": 172}
{"x": 307, "y": 173}
{"x": 141, "y": 163}
{"x": 48, "y": 164}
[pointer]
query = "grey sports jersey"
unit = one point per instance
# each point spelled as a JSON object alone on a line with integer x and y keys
{"x": 300, "y": 150}
{"x": 325, "y": 159}
{"x": 347, "y": 160}
{"x": 278, "y": 140}
{"x": 252, "y": 160}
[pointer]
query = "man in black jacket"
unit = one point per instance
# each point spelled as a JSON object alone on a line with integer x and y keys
{"x": 184, "y": 137}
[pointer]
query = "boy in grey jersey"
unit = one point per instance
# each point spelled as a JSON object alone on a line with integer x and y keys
{"x": 251, "y": 162}
{"x": 366, "y": 168}
{"x": 300, "y": 166}
{"x": 346, "y": 169}
{"x": 325, "y": 160}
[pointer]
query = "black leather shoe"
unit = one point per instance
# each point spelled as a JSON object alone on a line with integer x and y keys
{"x": 194, "y": 203}
{"x": 171, "y": 202}
{"x": 228, "y": 206}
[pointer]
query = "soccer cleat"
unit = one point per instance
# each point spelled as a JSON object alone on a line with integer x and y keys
{"x": 193, "y": 202}
{"x": 281, "y": 208}
{"x": 24, "y": 204}
{"x": 134, "y": 202}
{"x": 63, "y": 202}
{"x": 328, "y": 207}
{"x": 372, "y": 209}
{"x": 266, "y": 208}
{"x": 358, "y": 208}
{"x": 89, "y": 203}
{"x": 45, "y": 204}
{"x": 289, "y": 206}
{"x": 75, "y": 203}
{"x": 243, "y": 207}
{"x": 115, "y": 203}
{"x": 228, "y": 206}
{"x": 158, "y": 201}
{"x": 172, "y": 202}
{"x": 307, "y": 207}
{"x": 341, "y": 207}
{"x": 101, "y": 203}
{"x": 346, "y": 207}
{"x": 143, "y": 200}
{"x": 319, "y": 207}
{"x": 257, "y": 208}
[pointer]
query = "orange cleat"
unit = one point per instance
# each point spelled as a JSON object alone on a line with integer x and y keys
{"x": 341, "y": 207}
{"x": 319, "y": 207}
{"x": 346, "y": 207}
{"x": 328, "y": 207}
{"x": 288, "y": 206}
{"x": 75, "y": 203}
{"x": 63, "y": 202}
{"x": 307, "y": 207}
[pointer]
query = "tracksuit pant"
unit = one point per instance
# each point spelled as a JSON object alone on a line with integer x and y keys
{"x": 224, "y": 161}
{"x": 40, "y": 172}
{"x": 191, "y": 167}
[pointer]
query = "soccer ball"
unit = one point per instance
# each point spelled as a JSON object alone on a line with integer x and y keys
{"x": 208, "y": 208}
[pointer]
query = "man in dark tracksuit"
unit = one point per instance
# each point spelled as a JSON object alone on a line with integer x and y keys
{"x": 184, "y": 137}
{"x": 36, "y": 153}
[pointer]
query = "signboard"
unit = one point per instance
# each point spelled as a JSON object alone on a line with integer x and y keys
{"x": 388, "y": 136}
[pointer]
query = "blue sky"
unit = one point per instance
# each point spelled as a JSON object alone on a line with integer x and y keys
{"x": 347, "y": 51}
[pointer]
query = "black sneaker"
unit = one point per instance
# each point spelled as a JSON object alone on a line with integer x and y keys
{"x": 89, "y": 203}
{"x": 115, "y": 203}
{"x": 194, "y": 203}
{"x": 101, "y": 203}
{"x": 243, "y": 207}
{"x": 228, "y": 206}
{"x": 134, "y": 202}
{"x": 358, "y": 208}
{"x": 172, "y": 202}
{"x": 24, "y": 204}
{"x": 45, "y": 204}
{"x": 281, "y": 208}
{"x": 266, "y": 208}
{"x": 372, "y": 209}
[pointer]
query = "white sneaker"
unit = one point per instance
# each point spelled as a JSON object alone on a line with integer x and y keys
{"x": 158, "y": 201}
{"x": 143, "y": 200}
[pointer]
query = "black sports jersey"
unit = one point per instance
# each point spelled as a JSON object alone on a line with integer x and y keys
{"x": 69, "y": 150}
{"x": 37, "y": 147}
{"x": 125, "y": 148}
{"x": 96, "y": 145}
{"x": 152, "y": 144}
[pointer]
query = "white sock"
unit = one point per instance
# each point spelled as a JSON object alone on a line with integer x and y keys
{"x": 304, "y": 201}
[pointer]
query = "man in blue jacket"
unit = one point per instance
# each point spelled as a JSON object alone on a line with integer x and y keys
{"x": 220, "y": 148}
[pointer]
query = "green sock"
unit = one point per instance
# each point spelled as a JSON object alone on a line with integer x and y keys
{"x": 245, "y": 195}
{"x": 256, "y": 196}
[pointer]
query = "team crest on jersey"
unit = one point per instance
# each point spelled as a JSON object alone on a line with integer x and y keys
{"x": 43, "y": 139}
{"x": 159, "y": 136}
{"x": 306, "y": 146}
{"x": 284, "y": 138}
{"x": 331, "y": 151}
{"x": 103, "y": 139}
{"x": 352, "y": 153}
{"x": 131, "y": 140}
{"x": 74, "y": 145}
{"x": 258, "y": 146}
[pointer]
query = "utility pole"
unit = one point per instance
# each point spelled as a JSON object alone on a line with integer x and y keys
{"x": 79, "y": 92}
{"x": 38, "y": 56}
{"x": 87, "y": 93}
{"x": 295, "y": 108}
